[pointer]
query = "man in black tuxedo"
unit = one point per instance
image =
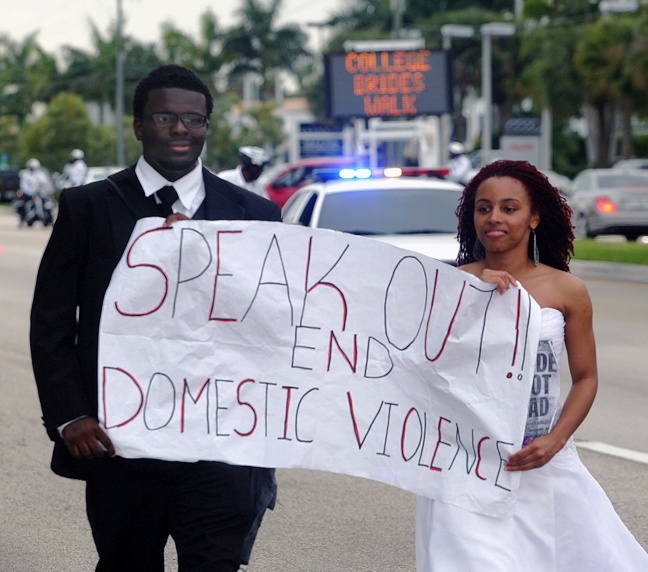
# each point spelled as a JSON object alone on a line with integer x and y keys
{"x": 212, "y": 510}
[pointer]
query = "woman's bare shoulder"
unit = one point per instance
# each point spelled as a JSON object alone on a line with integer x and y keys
{"x": 558, "y": 289}
{"x": 569, "y": 282}
{"x": 572, "y": 291}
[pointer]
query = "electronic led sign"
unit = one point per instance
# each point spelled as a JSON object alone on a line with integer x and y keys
{"x": 398, "y": 83}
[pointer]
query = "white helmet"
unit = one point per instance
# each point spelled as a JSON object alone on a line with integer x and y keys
{"x": 254, "y": 156}
{"x": 456, "y": 148}
{"x": 33, "y": 164}
{"x": 77, "y": 154}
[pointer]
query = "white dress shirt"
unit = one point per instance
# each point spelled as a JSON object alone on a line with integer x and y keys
{"x": 190, "y": 188}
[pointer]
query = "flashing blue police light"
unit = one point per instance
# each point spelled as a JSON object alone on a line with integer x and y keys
{"x": 361, "y": 173}
{"x": 392, "y": 172}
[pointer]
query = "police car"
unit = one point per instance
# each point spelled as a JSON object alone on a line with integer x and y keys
{"x": 416, "y": 213}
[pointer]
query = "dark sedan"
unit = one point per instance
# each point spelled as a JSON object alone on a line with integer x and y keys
{"x": 9, "y": 184}
{"x": 610, "y": 201}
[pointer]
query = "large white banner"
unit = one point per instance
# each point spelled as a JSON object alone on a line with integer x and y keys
{"x": 274, "y": 345}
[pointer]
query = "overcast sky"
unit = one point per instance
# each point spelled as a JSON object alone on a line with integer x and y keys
{"x": 65, "y": 22}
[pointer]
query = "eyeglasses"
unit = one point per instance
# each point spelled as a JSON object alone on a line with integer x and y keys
{"x": 168, "y": 119}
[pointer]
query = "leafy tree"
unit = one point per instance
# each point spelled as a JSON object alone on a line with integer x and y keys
{"x": 601, "y": 60}
{"x": 230, "y": 128}
{"x": 93, "y": 74}
{"x": 100, "y": 147}
{"x": 364, "y": 15}
{"x": 64, "y": 126}
{"x": 26, "y": 75}
{"x": 256, "y": 45}
{"x": 466, "y": 59}
{"x": 379, "y": 15}
{"x": 553, "y": 86}
{"x": 635, "y": 69}
{"x": 570, "y": 11}
{"x": 9, "y": 146}
{"x": 139, "y": 60}
{"x": 202, "y": 55}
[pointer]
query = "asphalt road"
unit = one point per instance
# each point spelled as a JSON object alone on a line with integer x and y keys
{"x": 323, "y": 522}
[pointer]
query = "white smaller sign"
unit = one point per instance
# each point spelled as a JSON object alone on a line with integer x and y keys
{"x": 521, "y": 148}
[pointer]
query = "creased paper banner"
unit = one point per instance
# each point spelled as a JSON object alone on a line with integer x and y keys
{"x": 274, "y": 345}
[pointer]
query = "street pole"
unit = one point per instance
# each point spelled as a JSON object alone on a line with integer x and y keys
{"x": 546, "y": 137}
{"x": 445, "y": 118}
{"x": 487, "y": 96}
{"x": 449, "y": 31}
{"x": 487, "y": 31}
{"x": 319, "y": 26}
{"x": 119, "y": 91}
{"x": 397, "y": 7}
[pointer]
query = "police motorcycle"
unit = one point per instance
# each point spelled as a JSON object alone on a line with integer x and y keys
{"x": 35, "y": 208}
{"x": 34, "y": 201}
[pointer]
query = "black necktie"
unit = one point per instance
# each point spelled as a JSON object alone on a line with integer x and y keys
{"x": 168, "y": 196}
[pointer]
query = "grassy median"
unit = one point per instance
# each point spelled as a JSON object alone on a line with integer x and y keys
{"x": 608, "y": 251}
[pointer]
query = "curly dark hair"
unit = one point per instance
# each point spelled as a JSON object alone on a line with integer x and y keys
{"x": 554, "y": 234}
{"x": 165, "y": 77}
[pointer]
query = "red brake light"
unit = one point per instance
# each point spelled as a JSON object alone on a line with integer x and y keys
{"x": 425, "y": 172}
{"x": 393, "y": 172}
{"x": 605, "y": 205}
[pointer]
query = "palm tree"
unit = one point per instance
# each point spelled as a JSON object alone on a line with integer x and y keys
{"x": 92, "y": 74}
{"x": 203, "y": 55}
{"x": 635, "y": 68}
{"x": 257, "y": 46}
{"x": 26, "y": 76}
{"x": 364, "y": 15}
{"x": 600, "y": 59}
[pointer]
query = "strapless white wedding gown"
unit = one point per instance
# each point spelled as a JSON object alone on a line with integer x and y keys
{"x": 563, "y": 520}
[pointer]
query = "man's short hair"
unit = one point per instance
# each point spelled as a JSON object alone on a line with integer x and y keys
{"x": 165, "y": 77}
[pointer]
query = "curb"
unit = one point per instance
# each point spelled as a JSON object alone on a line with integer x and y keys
{"x": 615, "y": 271}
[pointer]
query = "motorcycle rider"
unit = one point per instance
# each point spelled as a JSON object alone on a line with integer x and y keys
{"x": 460, "y": 164}
{"x": 252, "y": 162}
{"x": 75, "y": 170}
{"x": 34, "y": 195}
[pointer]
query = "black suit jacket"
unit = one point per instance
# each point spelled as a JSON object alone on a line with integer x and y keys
{"x": 92, "y": 230}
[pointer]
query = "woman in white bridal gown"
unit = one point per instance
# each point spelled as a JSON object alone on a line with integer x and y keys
{"x": 514, "y": 226}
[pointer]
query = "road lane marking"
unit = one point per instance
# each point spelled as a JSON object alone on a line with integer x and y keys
{"x": 620, "y": 452}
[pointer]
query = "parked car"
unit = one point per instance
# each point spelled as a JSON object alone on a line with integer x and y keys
{"x": 282, "y": 180}
{"x": 9, "y": 184}
{"x": 561, "y": 182}
{"x": 610, "y": 201}
{"x": 99, "y": 173}
{"x": 631, "y": 164}
{"x": 416, "y": 214}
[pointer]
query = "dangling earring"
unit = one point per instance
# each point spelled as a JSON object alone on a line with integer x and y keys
{"x": 536, "y": 252}
{"x": 478, "y": 250}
